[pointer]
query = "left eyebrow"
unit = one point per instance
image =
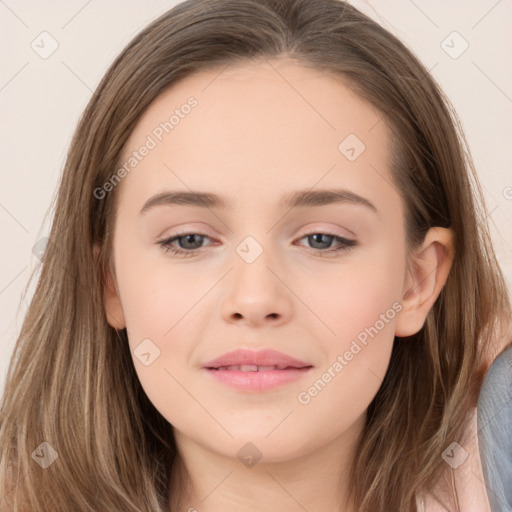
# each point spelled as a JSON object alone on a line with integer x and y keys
{"x": 297, "y": 199}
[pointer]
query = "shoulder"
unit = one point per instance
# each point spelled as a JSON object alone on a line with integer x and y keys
{"x": 469, "y": 478}
{"x": 468, "y": 488}
{"x": 500, "y": 374}
{"x": 495, "y": 400}
{"x": 487, "y": 439}
{"x": 494, "y": 434}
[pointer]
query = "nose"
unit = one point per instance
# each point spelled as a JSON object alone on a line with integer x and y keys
{"x": 257, "y": 293}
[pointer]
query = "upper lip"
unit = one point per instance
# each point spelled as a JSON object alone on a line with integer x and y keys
{"x": 267, "y": 357}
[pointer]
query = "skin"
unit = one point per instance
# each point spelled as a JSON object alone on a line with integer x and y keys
{"x": 260, "y": 131}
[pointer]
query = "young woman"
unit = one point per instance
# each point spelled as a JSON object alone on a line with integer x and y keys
{"x": 268, "y": 285}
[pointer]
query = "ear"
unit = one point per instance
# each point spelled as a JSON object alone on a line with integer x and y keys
{"x": 113, "y": 306}
{"x": 427, "y": 273}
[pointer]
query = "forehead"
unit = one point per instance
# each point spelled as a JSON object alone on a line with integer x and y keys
{"x": 273, "y": 122}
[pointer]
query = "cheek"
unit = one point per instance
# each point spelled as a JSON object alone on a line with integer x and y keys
{"x": 159, "y": 303}
{"x": 161, "y": 319}
{"x": 360, "y": 306}
{"x": 351, "y": 297}
{"x": 356, "y": 363}
{"x": 158, "y": 296}
{"x": 161, "y": 310}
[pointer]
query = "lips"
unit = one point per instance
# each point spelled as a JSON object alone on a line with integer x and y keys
{"x": 251, "y": 368}
{"x": 260, "y": 361}
{"x": 256, "y": 372}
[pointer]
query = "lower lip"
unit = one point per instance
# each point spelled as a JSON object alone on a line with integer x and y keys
{"x": 258, "y": 381}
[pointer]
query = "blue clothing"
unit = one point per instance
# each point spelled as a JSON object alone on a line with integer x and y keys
{"x": 494, "y": 420}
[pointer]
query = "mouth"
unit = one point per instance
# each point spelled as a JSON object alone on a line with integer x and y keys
{"x": 256, "y": 368}
{"x": 256, "y": 371}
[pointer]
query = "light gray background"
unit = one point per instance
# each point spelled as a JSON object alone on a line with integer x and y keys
{"x": 42, "y": 99}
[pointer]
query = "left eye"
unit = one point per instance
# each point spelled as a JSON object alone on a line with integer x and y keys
{"x": 188, "y": 247}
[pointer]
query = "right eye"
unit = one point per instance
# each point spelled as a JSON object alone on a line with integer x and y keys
{"x": 168, "y": 243}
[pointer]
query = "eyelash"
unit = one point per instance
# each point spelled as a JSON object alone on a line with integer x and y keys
{"x": 347, "y": 244}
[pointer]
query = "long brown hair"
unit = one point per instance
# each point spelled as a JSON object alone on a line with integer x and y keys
{"x": 71, "y": 381}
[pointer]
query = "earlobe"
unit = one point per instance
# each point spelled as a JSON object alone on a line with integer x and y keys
{"x": 113, "y": 306}
{"x": 428, "y": 271}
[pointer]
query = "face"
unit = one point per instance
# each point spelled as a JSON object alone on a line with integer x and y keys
{"x": 319, "y": 280}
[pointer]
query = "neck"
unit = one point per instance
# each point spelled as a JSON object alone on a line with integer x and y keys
{"x": 315, "y": 480}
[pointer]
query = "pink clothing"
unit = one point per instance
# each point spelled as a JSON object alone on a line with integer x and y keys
{"x": 470, "y": 489}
